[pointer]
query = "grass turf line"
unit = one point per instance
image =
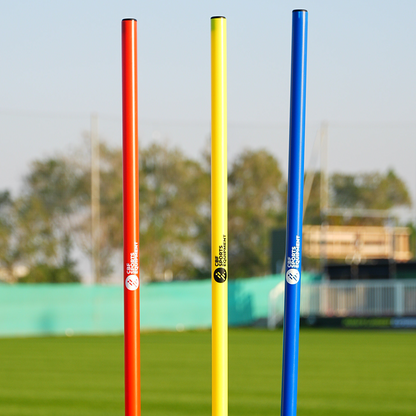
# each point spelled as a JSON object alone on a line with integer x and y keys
{"x": 340, "y": 373}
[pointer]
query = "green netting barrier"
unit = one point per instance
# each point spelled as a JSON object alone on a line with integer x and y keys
{"x": 59, "y": 309}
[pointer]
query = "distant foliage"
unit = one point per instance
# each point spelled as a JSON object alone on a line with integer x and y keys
{"x": 174, "y": 200}
{"x": 257, "y": 195}
{"x": 41, "y": 228}
{"x": 369, "y": 190}
{"x": 373, "y": 190}
{"x": 44, "y": 273}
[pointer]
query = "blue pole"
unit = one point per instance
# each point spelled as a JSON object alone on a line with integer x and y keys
{"x": 294, "y": 214}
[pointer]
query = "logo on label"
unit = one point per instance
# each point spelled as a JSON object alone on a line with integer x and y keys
{"x": 220, "y": 275}
{"x": 293, "y": 261}
{"x": 292, "y": 276}
{"x": 132, "y": 282}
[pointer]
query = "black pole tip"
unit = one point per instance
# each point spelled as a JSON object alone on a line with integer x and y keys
{"x": 300, "y": 10}
{"x": 217, "y": 17}
{"x": 129, "y": 19}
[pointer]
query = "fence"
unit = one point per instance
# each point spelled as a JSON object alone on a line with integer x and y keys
{"x": 375, "y": 298}
{"x": 59, "y": 309}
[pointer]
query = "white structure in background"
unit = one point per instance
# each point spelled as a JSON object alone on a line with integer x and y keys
{"x": 356, "y": 243}
{"x": 364, "y": 298}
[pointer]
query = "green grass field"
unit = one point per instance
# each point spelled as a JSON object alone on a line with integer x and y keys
{"x": 340, "y": 373}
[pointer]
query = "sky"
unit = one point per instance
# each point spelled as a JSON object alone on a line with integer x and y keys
{"x": 61, "y": 62}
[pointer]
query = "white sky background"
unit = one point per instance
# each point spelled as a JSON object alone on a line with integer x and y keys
{"x": 61, "y": 61}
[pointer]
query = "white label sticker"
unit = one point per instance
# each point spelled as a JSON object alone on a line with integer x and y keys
{"x": 293, "y": 261}
{"x": 292, "y": 276}
{"x": 132, "y": 282}
{"x": 133, "y": 266}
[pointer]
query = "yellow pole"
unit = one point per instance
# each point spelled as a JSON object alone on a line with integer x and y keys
{"x": 219, "y": 239}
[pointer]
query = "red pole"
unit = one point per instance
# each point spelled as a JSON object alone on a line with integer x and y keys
{"x": 131, "y": 218}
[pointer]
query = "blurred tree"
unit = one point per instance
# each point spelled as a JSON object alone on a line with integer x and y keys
{"x": 256, "y": 202}
{"x": 111, "y": 208}
{"x": 367, "y": 191}
{"x": 52, "y": 194}
{"x": 313, "y": 208}
{"x": 362, "y": 191}
{"x": 46, "y": 273}
{"x": 203, "y": 222}
{"x": 174, "y": 201}
{"x": 174, "y": 192}
{"x": 39, "y": 229}
{"x": 9, "y": 252}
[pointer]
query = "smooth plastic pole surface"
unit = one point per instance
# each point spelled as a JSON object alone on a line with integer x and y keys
{"x": 219, "y": 242}
{"x": 294, "y": 214}
{"x": 131, "y": 219}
